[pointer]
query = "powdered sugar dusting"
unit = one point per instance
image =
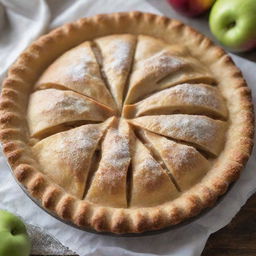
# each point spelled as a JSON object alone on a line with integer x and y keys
{"x": 197, "y": 128}
{"x": 196, "y": 94}
{"x": 120, "y": 58}
{"x": 119, "y": 150}
{"x": 78, "y": 144}
{"x": 150, "y": 169}
{"x": 178, "y": 154}
{"x": 183, "y": 162}
{"x": 81, "y": 64}
{"x": 150, "y": 164}
{"x": 58, "y": 100}
{"x": 115, "y": 158}
{"x": 79, "y": 71}
{"x": 162, "y": 62}
{"x": 201, "y": 130}
{"x": 82, "y": 138}
{"x": 144, "y": 165}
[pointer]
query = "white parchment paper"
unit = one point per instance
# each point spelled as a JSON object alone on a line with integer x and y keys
{"x": 21, "y": 21}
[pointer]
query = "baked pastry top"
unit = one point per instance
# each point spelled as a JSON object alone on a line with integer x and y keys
{"x": 125, "y": 129}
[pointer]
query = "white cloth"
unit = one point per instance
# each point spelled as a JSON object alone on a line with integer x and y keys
{"x": 21, "y": 21}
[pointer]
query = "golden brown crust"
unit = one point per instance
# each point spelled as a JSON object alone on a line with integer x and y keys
{"x": 14, "y": 134}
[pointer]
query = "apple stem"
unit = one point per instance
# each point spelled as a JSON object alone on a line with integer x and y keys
{"x": 13, "y": 232}
{"x": 231, "y": 25}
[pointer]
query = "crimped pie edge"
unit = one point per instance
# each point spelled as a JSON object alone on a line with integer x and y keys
{"x": 14, "y": 135}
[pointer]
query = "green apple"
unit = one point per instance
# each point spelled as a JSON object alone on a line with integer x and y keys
{"x": 14, "y": 239}
{"x": 233, "y": 22}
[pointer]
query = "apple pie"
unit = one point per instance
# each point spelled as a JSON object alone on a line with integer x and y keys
{"x": 126, "y": 122}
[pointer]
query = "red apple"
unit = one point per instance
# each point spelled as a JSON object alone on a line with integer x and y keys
{"x": 191, "y": 8}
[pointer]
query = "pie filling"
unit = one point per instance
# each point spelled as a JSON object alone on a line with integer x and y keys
{"x": 127, "y": 121}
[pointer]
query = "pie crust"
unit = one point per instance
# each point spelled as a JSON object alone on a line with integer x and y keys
{"x": 125, "y": 122}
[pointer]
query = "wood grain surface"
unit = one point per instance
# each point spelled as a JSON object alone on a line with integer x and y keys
{"x": 239, "y": 237}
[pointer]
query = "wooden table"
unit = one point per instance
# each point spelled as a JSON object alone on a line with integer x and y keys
{"x": 238, "y": 238}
